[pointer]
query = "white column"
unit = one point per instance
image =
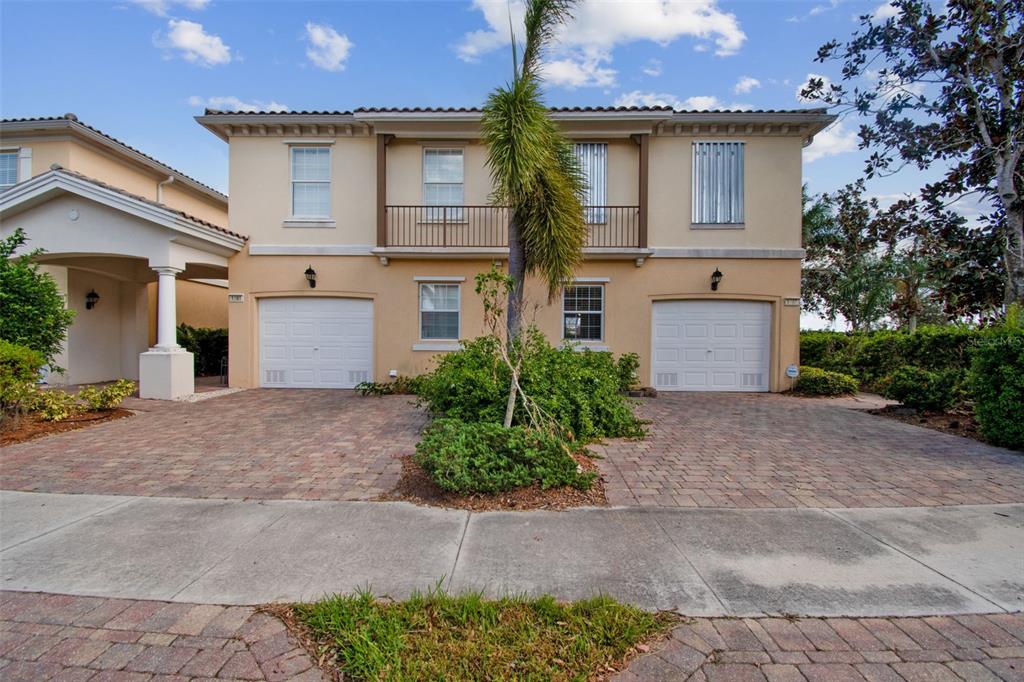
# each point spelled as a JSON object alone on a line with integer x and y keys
{"x": 167, "y": 309}
{"x": 166, "y": 370}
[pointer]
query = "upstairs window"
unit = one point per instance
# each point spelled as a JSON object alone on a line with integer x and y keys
{"x": 439, "y": 311}
{"x": 311, "y": 182}
{"x": 717, "y": 183}
{"x": 583, "y": 313}
{"x": 593, "y": 159}
{"x": 443, "y": 183}
{"x": 8, "y": 168}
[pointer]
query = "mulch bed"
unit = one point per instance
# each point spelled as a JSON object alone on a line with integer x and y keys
{"x": 30, "y": 426}
{"x": 958, "y": 423}
{"x": 416, "y": 487}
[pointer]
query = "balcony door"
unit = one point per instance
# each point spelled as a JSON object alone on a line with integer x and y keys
{"x": 593, "y": 158}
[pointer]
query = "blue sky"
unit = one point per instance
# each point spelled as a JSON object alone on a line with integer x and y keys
{"x": 140, "y": 70}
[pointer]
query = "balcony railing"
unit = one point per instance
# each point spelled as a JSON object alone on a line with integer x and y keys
{"x": 487, "y": 226}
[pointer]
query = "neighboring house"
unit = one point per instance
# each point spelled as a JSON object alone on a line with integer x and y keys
{"x": 366, "y": 229}
{"x": 113, "y": 221}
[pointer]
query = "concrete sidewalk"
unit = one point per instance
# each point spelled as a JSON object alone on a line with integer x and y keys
{"x": 855, "y": 562}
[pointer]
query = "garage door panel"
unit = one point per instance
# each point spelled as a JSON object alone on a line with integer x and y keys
{"x": 666, "y": 331}
{"x": 724, "y": 346}
{"x": 315, "y": 342}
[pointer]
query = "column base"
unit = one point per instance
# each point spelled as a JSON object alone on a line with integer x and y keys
{"x": 166, "y": 374}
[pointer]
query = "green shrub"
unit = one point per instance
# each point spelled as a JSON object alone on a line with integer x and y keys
{"x": 32, "y": 309}
{"x": 400, "y": 385}
{"x": 997, "y": 382}
{"x": 815, "y": 381}
{"x": 581, "y": 390}
{"x": 108, "y": 397}
{"x": 19, "y": 370}
{"x": 628, "y": 366}
{"x": 208, "y": 345}
{"x": 54, "y": 404}
{"x": 485, "y": 457}
{"x": 922, "y": 389}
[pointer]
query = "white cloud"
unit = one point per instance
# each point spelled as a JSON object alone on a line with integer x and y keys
{"x": 599, "y": 27}
{"x": 885, "y": 11}
{"x": 327, "y": 48}
{"x": 637, "y": 98}
{"x": 745, "y": 84}
{"x": 578, "y": 70}
{"x": 815, "y": 11}
{"x": 827, "y": 83}
{"x": 652, "y": 67}
{"x": 161, "y": 7}
{"x": 835, "y": 139}
{"x": 194, "y": 43}
{"x": 232, "y": 103}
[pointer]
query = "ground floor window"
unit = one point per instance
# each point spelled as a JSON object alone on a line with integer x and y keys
{"x": 583, "y": 312}
{"x": 439, "y": 311}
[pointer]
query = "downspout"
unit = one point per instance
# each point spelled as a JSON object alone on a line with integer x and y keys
{"x": 160, "y": 188}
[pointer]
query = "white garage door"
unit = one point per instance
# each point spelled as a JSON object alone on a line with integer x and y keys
{"x": 710, "y": 345}
{"x": 315, "y": 342}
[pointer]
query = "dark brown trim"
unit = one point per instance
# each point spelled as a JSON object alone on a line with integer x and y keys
{"x": 644, "y": 141}
{"x": 382, "y": 188}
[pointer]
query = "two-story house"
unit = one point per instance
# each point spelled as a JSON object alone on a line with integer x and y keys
{"x": 366, "y": 229}
{"x": 112, "y": 221}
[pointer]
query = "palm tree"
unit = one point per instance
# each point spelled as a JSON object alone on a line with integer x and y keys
{"x": 534, "y": 169}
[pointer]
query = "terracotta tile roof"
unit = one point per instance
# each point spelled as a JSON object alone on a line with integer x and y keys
{"x": 477, "y": 110}
{"x": 99, "y": 183}
{"x": 73, "y": 120}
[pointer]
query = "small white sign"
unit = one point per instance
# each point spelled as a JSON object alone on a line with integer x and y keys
{"x": 792, "y": 371}
{"x": 791, "y": 301}
{"x": 236, "y": 298}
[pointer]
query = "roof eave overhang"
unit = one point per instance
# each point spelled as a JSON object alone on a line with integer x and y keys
{"x": 27, "y": 194}
{"x": 84, "y": 132}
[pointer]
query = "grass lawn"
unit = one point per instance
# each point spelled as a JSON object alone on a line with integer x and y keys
{"x": 436, "y": 636}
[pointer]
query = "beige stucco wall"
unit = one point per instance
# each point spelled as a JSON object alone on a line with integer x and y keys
{"x": 771, "y": 179}
{"x": 260, "y": 174}
{"x": 104, "y": 343}
{"x": 629, "y": 296}
{"x": 102, "y": 164}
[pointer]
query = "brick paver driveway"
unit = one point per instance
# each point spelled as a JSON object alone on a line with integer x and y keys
{"x": 764, "y": 450}
{"x": 261, "y": 444}
{"x": 935, "y": 649}
{"x": 711, "y": 450}
{"x": 60, "y": 637}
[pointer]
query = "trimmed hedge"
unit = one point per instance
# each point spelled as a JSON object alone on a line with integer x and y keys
{"x": 207, "y": 344}
{"x": 815, "y": 381}
{"x": 872, "y": 357}
{"x": 996, "y": 381}
{"x": 19, "y": 371}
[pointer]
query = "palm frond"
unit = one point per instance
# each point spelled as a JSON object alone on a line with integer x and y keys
{"x": 543, "y": 17}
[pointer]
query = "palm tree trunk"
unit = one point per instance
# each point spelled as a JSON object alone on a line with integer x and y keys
{"x": 514, "y": 313}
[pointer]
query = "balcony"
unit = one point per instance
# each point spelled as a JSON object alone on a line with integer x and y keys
{"x": 486, "y": 227}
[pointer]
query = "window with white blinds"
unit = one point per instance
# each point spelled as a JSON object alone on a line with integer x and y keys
{"x": 8, "y": 168}
{"x": 311, "y": 182}
{"x": 593, "y": 159}
{"x": 443, "y": 175}
{"x": 717, "y": 182}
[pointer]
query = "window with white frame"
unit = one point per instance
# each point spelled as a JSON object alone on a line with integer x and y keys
{"x": 311, "y": 182}
{"x": 439, "y": 311}
{"x": 593, "y": 160}
{"x": 443, "y": 188}
{"x": 717, "y": 183}
{"x": 583, "y": 312}
{"x": 8, "y": 168}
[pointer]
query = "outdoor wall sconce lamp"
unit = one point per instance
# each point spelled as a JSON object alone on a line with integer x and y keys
{"x": 91, "y": 299}
{"x": 311, "y": 277}
{"x": 716, "y": 277}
